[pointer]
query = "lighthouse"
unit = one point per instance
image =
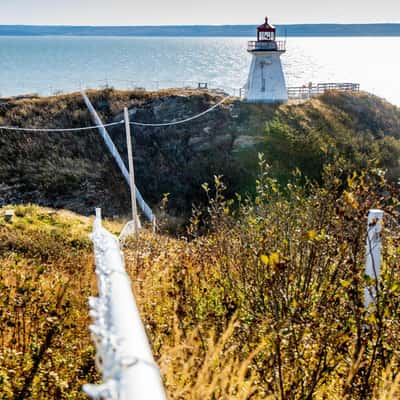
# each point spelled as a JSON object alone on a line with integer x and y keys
{"x": 266, "y": 81}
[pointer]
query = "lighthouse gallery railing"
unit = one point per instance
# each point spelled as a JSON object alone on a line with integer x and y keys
{"x": 275, "y": 45}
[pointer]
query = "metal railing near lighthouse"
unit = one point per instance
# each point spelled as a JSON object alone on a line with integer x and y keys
{"x": 311, "y": 90}
{"x": 306, "y": 92}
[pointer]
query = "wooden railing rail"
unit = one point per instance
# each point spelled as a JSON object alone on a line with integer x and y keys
{"x": 307, "y": 91}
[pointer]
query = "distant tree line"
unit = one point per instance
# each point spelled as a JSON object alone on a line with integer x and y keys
{"x": 203, "y": 30}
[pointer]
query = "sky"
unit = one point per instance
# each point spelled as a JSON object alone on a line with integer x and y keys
{"x": 195, "y": 12}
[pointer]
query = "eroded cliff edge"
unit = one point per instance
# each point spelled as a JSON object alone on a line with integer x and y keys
{"x": 75, "y": 170}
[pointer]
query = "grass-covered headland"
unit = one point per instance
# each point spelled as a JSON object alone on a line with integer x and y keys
{"x": 75, "y": 170}
{"x": 260, "y": 296}
{"x": 262, "y": 299}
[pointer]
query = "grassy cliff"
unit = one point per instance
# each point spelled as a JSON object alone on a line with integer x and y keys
{"x": 352, "y": 129}
{"x": 75, "y": 171}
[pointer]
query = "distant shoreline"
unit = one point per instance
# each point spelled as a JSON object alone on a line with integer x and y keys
{"x": 299, "y": 30}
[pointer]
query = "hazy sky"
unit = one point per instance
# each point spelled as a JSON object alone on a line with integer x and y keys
{"x": 189, "y": 12}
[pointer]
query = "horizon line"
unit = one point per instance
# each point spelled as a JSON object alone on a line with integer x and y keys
{"x": 203, "y": 25}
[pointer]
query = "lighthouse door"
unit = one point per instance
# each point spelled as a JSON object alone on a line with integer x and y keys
{"x": 264, "y": 64}
{"x": 263, "y": 83}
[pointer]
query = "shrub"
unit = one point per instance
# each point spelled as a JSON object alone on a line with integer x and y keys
{"x": 289, "y": 269}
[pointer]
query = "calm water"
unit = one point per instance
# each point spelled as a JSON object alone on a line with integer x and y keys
{"x": 48, "y": 64}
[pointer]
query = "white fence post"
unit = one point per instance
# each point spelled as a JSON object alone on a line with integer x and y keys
{"x": 131, "y": 171}
{"x": 374, "y": 248}
{"x": 123, "y": 352}
{"x": 113, "y": 150}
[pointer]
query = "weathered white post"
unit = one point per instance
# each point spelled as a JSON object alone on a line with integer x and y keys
{"x": 9, "y": 215}
{"x": 114, "y": 152}
{"x": 131, "y": 171}
{"x": 98, "y": 216}
{"x": 374, "y": 248}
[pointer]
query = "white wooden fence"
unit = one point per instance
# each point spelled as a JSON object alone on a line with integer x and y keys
{"x": 123, "y": 355}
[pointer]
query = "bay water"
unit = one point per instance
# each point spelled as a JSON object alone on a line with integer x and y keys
{"x": 46, "y": 65}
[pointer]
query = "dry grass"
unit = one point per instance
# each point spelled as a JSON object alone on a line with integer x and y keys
{"x": 190, "y": 372}
{"x": 261, "y": 300}
{"x": 46, "y": 276}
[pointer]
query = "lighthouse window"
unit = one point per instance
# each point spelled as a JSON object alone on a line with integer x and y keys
{"x": 266, "y": 36}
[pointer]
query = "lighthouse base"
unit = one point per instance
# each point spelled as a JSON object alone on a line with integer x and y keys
{"x": 266, "y": 81}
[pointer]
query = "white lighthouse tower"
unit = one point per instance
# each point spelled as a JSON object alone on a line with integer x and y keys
{"x": 266, "y": 81}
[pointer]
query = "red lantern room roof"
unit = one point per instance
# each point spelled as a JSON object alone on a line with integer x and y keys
{"x": 266, "y": 40}
{"x": 266, "y": 27}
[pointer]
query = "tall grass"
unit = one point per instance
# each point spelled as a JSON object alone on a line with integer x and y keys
{"x": 45, "y": 277}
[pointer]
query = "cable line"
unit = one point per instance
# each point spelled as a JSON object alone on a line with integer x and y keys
{"x": 183, "y": 121}
{"x": 85, "y": 128}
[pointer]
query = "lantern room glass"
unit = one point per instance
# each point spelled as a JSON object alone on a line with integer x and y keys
{"x": 266, "y": 36}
